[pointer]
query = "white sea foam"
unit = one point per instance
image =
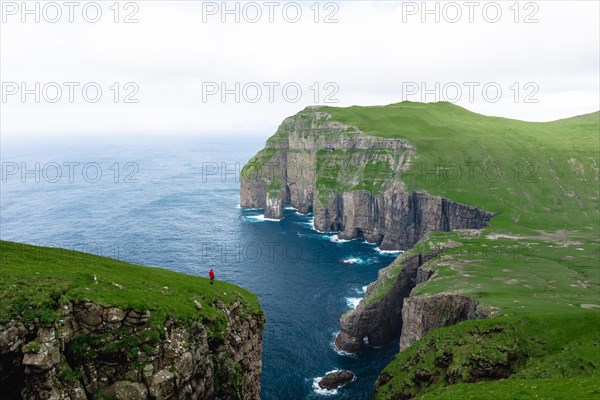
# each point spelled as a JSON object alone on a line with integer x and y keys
{"x": 248, "y": 209}
{"x": 321, "y": 236}
{"x": 336, "y": 239}
{"x": 335, "y": 348}
{"x": 361, "y": 290}
{"x": 309, "y": 223}
{"x": 352, "y": 260}
{"x": 352, "y": 302}
{"x": 390, "y": 252}
{"x": 258, "y": 218}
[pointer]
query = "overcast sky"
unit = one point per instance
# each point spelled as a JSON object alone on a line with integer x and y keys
{"x": 178, "y": 57}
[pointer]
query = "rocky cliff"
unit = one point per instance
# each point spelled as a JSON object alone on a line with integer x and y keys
{"x": 350, "y": 181}
{"x": 95, "y": 351}
{"x": 388, "y": 310}
{"x": 421, "y": 314}
{"x": 378, "y": 318}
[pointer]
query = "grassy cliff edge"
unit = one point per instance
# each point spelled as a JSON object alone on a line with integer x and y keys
{"x": 79, "y": 326}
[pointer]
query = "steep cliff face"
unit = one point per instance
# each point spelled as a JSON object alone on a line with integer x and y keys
{"x": 351, "y": 181}
{"x": 395, "y": 218}
{"x": 388, "y": 309}
{"x": 421, "y": 314}
{"x": 106, "y": 351}
{"x": 378, "y": 317}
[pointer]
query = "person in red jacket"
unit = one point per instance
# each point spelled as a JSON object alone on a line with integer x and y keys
{"x": 211, "y": 274}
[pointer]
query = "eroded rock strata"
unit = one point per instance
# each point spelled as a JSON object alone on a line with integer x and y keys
{"x": 350, "y": 181}
{"x": 95, "y": 350}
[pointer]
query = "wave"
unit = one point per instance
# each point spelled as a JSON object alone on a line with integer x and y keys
{"x": 309, "y": 223}
{"x": 359, "y": 260}
{"x": 388, "y": 252}
{"x": 338, "y": 351}
{"x": 239, "y": 206}
{"x": 258, "y": 218}
{"x": 361, "y": 290}
{"x": 336, "y": 239}
{"x": 352, "y": 302}
{"x": 322, "y": 236}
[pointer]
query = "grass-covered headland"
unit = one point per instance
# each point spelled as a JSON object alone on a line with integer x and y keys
{"x": 534, "y": 271}
{"x": 35, "y": 282}
{"x": 536, "y": 268}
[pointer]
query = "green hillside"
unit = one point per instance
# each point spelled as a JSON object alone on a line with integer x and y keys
{"x": 36, "y": 281}
{"x": 543, "y": 357}
{"x": 535, "y": 175}
{"x": 539, "y": 256}
{"x": 541, "y": 251}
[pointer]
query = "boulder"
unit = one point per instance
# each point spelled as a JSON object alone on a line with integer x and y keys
{"x": 162, "y": 384}
{"x": 125, "y": 390}
{"x": 45, "y": 359}
{"x": 336, "y": 379}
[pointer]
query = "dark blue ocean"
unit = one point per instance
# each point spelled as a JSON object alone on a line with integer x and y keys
{"x": 174, "y": 203}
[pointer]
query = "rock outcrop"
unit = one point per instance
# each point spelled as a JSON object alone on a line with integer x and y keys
{"x": 95, "y": 350}
{"x": 336, "y": 379}
{"x": 351, "y": 181}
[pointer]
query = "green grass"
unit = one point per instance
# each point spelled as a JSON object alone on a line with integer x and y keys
{"x": 36, "y": 281}
{"x": 551, "y": 273}
{"x": 511, "y": 357}
{"x": 541, "y": 180}
{"x": 252, "y": 169}
{"x": 339, "y": 171}
{"x": 579, "y": 387}
{"x": 539, "y": 256}
{"x": 535, "y": 175}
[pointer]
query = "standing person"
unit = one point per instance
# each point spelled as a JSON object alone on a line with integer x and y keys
{"x": 211, "y": 275}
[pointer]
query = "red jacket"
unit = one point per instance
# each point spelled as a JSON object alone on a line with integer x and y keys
{"x": 211, "y": 274}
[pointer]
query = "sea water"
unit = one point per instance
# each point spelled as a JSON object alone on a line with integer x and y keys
{"x": 174, "y": 203}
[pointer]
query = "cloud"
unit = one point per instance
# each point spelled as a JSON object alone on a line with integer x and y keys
{"x": 368, "y": 56}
